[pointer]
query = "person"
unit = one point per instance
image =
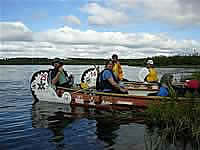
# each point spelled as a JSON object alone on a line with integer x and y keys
{"x": 149, "y": 73}
{"x": 107, "y": 82}
{"x": 165, "y": 86}
{"x": 117, "y": 69}
{"x": 59, "y": 77}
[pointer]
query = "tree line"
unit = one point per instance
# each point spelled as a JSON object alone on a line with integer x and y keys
{"x": 159, "y": 61}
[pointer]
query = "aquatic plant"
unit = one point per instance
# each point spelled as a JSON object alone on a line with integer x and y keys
{"x": 174, "y": 121}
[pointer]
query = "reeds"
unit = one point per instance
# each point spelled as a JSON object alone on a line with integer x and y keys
{"x": 175, "y": 120}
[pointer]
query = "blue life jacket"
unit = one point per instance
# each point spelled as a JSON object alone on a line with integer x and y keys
{"x": 104, "y": 84}
{"x": 163, "y": 91}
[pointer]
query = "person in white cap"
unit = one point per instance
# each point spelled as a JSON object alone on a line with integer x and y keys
{"x": 149, "y": 73}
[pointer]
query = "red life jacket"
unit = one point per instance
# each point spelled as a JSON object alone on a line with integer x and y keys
{"x": 194, "y": 84}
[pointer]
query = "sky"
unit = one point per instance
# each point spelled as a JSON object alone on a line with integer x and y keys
{"x": 99, "y": 28}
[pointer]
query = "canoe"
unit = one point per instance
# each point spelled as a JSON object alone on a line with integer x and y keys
{"x": 141, "y": 89}
{"x": 42, "y": 91}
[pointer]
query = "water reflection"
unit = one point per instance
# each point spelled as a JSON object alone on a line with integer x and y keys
{"x": 73, "y": 125}
{"x": 106, "y": 131}
{"x": 51, "y": 116}
{"x": 84, "y": 128}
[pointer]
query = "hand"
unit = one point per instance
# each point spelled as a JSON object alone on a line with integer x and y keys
{"x": 124, "y": 90}
{"x": 71, "y": 76}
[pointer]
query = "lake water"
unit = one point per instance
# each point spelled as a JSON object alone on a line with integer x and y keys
{"x": 57, "y": 127}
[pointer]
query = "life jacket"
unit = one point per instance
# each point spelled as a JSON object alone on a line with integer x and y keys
{"x": 117, "y": 70}
{"x": 164, "y": 91}
{"x": 152, "y": 76}
{"x": 64, "y": 77}
{"x": 193, "y": 84}
{"x": 104, "y": 84}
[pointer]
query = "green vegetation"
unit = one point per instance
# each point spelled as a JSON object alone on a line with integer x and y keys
{"x": 159, "y": 61}
{"x": 171, "y": 61}
{"x": 174, "y": 122}
{"x": 196, "y": 76}
{"x": 46, "y": 61}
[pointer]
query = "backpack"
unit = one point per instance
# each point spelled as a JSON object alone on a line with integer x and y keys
{"x": 99, "y": 85}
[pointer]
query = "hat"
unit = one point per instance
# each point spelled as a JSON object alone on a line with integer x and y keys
{"x": 56, "y": 60}
{"x": 114, "y": 56}
{"x": 166, "y": 78}
{"x": 150, "y": 62}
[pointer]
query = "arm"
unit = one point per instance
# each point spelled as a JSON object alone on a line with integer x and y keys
{"x": 56, "y": 78}
{"x": 115, "y": 85}
{"x": 107, "y": 75}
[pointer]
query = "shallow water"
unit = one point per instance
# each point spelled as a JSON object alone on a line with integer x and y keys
{"x": 55, "y": 127}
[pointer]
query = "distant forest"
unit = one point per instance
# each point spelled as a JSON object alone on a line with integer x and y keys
{"x": 159, "y": 61}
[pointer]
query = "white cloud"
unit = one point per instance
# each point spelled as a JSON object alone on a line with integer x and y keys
{"x": 99, "y": 15}
{"x": 68, "y": 42}
{"x": 72, "y": 20}
{"x": 179, "y": 12}
{"x": 14, "y": 31}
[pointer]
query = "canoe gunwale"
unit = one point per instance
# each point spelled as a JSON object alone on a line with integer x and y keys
{"x": 94, "y": 92}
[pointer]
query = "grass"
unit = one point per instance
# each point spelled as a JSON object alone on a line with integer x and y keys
{"x": 175, "y": 120}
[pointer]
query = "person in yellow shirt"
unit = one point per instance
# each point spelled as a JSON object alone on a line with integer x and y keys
{"x": 152, "y": 75}
{"x": 117, "y": 69}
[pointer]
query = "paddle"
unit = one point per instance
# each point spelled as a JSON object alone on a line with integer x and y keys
{"x": 77, "y": 90}
{"x": 140, "y": 83}
{"x": 83, "y": 89}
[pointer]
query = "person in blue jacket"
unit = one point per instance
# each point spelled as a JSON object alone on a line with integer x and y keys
{"x": 163, "y": 91}
{"x": 166, "y": 83}
{"x": 107, "y": 82}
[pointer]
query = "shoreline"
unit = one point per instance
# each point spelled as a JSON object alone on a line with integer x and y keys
{"x": 168, "y": 66}
{"x": 159, "y": 62}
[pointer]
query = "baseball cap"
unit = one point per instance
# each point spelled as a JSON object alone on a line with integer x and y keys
{"x": 57, "y": 60}
{"x": 150, "y": 62}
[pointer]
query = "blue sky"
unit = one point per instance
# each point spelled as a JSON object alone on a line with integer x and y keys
{"x": 98, "y": 28}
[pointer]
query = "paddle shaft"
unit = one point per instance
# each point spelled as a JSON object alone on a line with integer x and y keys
{"x": 77, "y": 90}
{"x": 83, "y": 89}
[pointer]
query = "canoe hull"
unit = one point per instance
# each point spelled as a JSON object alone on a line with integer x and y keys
{"x": 101, "y": 100}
